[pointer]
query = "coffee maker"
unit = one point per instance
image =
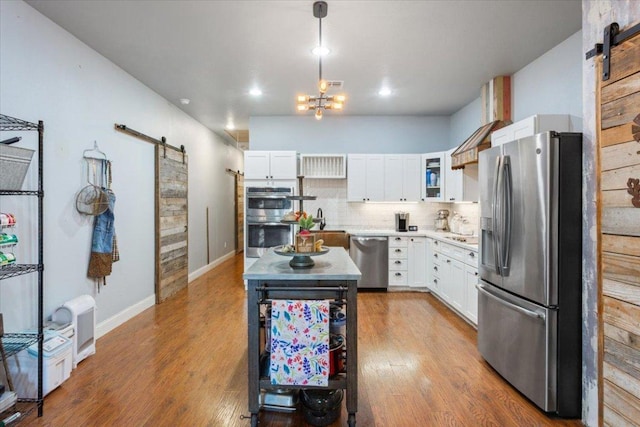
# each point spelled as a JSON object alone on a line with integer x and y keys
{"x": 402, "y": 221}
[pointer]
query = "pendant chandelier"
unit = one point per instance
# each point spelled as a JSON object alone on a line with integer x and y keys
{"x": 322, "y": 101}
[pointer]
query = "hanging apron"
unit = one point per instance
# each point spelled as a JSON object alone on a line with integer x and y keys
{"x": 102, "y": 245}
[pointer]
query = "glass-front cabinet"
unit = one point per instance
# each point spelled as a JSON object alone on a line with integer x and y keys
{"x": 433, "y": 177}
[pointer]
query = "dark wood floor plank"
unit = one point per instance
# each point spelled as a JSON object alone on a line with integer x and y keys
{"x": 184, "y": 362}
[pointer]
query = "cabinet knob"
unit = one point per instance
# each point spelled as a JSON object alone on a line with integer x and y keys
{"x": 435, "y": 242}
{"x": 452, "y": 198}
{"x": 476, "y": 273}
{"x": 400, "y": 262}
{"x": 398, "y": 274}
{"x": 398, "y": 238}
{"x": 448, "y": 261}
{"x": 471, "y": 254}
{"x": 435, "y": 280}
{"x": 398, "y": 250}
{"x": 435, "y": 255}
{"x": 435, "y": 268}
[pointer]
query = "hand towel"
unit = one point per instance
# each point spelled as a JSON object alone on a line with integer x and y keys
{"x": 300, "y": 342}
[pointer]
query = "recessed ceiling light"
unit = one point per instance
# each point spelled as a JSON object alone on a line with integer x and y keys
{"x": 185, "y": 101}
{"x": 320, "y": 50}
{"x": 385, "y": 91}
{"x": 255, "y": 92}
{"x": 230, "y": 126}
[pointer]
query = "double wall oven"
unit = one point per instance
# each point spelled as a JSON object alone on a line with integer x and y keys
{"x": 265, "y": 207}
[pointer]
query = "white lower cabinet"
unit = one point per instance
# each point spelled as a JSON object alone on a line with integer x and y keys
{"x": 417, "y": 269}
{"x": 398, "y": 261}
{"x": 406, "y": 261}
{"x": 470, "y": 307}
{"x": 453, "y": 275}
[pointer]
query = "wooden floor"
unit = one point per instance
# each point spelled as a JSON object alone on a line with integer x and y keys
{"x": 184, "y": 363}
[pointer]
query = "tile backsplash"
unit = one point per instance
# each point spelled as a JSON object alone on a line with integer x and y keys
{"x": 332, "y": 198}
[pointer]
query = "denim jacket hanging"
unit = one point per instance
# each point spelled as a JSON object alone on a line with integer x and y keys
{"x": 102, "y": 242}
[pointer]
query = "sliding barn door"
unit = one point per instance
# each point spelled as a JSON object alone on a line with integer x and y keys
{"x": 172, "y": 242}
{"x": 239, "y": 213}
{"x": 619, "y": 223}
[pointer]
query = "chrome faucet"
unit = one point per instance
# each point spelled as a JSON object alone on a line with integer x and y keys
{"x": 320, "y": 216}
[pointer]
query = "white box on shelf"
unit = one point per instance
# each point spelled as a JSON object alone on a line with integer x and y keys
{"x": 7, "y": 400}
{"x": 56, "y": 366}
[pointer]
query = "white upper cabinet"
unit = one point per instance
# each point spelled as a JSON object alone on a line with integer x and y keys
{"x": 365, "y": 177}
{"x": 402, "y": 177}
{"x": 461, "y": 185}
{"x": 270, "y": 165}
{"x": 432, "y": 179}
{"x": 531, "y": 126}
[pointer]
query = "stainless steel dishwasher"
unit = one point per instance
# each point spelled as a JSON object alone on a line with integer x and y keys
{"x": 371, "y": 255}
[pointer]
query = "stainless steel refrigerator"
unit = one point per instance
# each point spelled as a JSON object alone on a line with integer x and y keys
{"x": 529, "y": 299}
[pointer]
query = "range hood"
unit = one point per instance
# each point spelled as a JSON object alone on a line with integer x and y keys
{"x": 467, "y": 152}
{"x": 496, "y": 114}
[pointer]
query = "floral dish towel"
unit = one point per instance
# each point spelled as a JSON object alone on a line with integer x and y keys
{"x": 300, "y": 342}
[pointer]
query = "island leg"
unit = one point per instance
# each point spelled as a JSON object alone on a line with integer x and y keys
{"x": 253, "y": 349}
{"x": 352, "y": 351}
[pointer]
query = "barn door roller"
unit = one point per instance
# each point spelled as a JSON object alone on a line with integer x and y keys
{"x": 612, "y": 37}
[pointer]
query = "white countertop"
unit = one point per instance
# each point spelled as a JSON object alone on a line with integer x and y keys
{"x": 443, "y": 236}
{"x": 334, "y": 265}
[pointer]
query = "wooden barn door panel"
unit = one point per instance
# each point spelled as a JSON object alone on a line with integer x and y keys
{"x": 171, "y": 222}
{"x": 619, "y": 237}
{"x": 239, "y": 213}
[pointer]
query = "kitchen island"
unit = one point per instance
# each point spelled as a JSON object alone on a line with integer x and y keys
{"x": 334, "y": 276}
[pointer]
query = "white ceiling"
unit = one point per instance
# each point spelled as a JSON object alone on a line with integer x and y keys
{"x": 434, "y": 55}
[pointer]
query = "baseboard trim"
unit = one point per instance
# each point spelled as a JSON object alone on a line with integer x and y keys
{"x": 207, "y": 268}
{"x": 118, "y": 319}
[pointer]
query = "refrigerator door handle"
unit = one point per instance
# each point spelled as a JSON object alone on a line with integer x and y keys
{"x": 494, "y": 215}
{"x": 505, "y": 231}
{"x": 512, "y": 306}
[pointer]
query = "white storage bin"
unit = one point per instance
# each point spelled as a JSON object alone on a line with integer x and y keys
{"x": 56, "y": 366}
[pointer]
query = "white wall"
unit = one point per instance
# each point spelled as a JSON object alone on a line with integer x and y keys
{"x": 465, "y": 121}
{"x": 47, "y": 74}
{"x": 552, "y": 84}
{"x": 350, "y": 134}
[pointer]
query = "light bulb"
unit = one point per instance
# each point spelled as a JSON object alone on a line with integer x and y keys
{"x": 303, "y": 98}
{"x": 337, "y": 105}
{"x": 318, "y": 113}
{"x": 302, "y": 107}
{"x": 320, "y": 50}
{"x": 340, "y": 98}
{"x": 323, "y": 86}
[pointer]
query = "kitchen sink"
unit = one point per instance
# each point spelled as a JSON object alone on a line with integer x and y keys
{"x": 333, "y": 237}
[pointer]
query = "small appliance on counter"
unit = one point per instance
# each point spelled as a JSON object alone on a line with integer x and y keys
{"x": 441, "y": 223}
{"x": 402, "y": 221}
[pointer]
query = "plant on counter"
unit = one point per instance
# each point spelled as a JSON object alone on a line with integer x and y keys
{"x": 306, "y": 223}
{"x": 305, "y": 241}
